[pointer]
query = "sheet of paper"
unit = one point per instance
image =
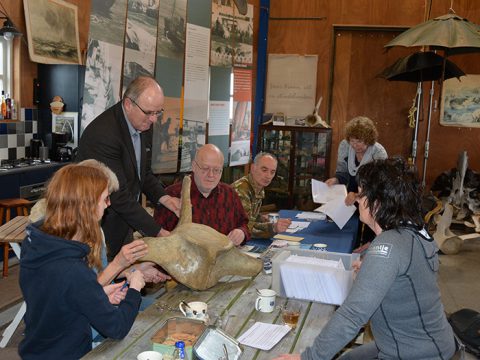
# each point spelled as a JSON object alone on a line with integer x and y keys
{"x": 310, "y": 215}
{"x": 263, "y": 336}
{"x": 297, "y": 226}
{"x": 322, "y": 193}
{"x": 338, "y": 211}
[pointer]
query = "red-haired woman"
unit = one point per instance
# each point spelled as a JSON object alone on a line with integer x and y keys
{"x": 58, "y": 283}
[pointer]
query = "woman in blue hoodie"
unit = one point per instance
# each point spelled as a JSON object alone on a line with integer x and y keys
{"x": 58, "y": 283}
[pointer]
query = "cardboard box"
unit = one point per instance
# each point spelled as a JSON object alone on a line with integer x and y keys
{"x": 177, "y": 329}
{"x": 336, "y": 283}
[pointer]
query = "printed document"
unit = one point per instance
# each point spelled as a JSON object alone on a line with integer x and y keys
{"x": 263, "y": 336}
{"x": 333, "y": 199}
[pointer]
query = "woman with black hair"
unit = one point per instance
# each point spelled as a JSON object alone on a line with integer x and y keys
{"x": 396, "y": 286}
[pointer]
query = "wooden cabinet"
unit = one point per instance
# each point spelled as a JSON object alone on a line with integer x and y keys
{"x": 303, "y": 153}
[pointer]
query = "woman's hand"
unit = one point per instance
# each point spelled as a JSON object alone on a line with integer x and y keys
{"x": 351, "y": 198}
{"x": 115, "y": 292}
{"x": 130, "y": 253}
{"x": 136, "y": 280}
{"x": 331, "y": 181}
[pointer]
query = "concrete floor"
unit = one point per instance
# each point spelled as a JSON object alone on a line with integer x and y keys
{"x": 458, "y": 281}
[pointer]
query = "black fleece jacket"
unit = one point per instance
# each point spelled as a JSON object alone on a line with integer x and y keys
{"x": 64, "y": 299}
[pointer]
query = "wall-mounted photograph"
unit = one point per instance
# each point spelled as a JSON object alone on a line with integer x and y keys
{"x": 461, "y": 102}
{"x": 66, "y": 123}
{"x": 52, "y": 31}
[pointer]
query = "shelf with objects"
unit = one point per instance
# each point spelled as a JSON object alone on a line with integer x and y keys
{"x": 303, "y": 154}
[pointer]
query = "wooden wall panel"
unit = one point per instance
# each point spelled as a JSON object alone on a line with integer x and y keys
{"x": 354, "y": 57}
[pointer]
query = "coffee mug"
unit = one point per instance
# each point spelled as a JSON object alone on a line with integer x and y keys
{"x": 149, "y": 355}
{"x": 273, "y": 217}
{"x": 194, "y": 310}
{"x": 265, "y": 301}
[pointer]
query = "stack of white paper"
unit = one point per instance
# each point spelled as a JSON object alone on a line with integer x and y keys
{"x": 311, "y": 215}
{"x": 315, "y": 279}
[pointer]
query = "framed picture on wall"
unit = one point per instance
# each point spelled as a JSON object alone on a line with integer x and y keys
{"x": 66, "y": 123}
{"x": 461, "y": 102}
{"x": 52, "y": 31}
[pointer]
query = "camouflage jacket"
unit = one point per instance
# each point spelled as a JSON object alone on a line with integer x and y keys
{"x": 252, "y": 202}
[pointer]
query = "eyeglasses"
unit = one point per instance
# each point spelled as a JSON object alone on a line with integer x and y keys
{"x": 158, "y": 114}
{"x": 205, "y": 170}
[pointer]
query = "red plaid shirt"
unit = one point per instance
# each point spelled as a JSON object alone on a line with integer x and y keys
{"x": 221, "y": 210}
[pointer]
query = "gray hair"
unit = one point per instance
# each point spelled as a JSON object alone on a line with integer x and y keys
{"x": 138, "y": 86}
{"x": 113, "y": 184}
{"x": 38, "y": 210}
{"x": 262, "y": 154}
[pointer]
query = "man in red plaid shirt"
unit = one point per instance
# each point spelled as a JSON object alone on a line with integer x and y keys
{"x": 213, "y": 203}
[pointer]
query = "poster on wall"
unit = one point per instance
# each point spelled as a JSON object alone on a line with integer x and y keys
{"x": 461, "y": 102}
{"x": 102, "y": 79}
{"x": 104, "y": 58}
{"x": 291, "y": 84}
{"x": 140, "y": 40}
{"x": 243, "y": 38}
{"x": 241, "y": 120}
{"x": 165, "y": 138}
{"x": 107, "y": 21}
{"x": 193, "y": 137}
{"x": 223, "y": 22}
{"x": 195, "y": 108}
{"x": 171, "y": 29}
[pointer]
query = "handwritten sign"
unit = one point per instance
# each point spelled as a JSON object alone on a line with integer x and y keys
{"x": 291, "y": 84}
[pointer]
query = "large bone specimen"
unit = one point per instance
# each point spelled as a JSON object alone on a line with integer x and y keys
{"x": 446, "y": 240}
{"x": 197, "y": 255}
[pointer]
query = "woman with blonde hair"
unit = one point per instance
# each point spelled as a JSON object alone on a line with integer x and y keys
{"x": 359, "y": 147}
{"x": 58, "y": 283}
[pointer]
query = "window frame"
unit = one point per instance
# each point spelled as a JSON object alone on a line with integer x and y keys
{"x": 6, "y": 65}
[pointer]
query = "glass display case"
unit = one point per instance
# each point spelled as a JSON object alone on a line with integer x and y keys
{"x": 303, "y": 154}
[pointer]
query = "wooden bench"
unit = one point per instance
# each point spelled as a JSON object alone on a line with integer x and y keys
{"x": 13, "y": 232}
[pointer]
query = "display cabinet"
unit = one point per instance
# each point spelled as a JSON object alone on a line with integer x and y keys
{"x": 303, "y": 154}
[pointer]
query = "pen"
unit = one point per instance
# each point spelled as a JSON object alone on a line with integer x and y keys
{"x": 126, "y": 282}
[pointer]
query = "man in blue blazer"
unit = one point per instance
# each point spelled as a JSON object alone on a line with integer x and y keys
{"x": 121, "y": 138}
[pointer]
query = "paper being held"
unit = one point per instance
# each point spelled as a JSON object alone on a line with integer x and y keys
{"x": 333, "y": 199}
{"x": 322, "y": 193}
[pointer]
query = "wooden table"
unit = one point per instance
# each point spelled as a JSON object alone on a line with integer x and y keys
{"x": 13, "y": 232}
{"x": 233, "y": 295}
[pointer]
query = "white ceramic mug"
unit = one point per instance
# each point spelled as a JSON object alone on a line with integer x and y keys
{"x": 194, "y": 310}
{"x": 319, "y": 247}
{"x": 149, "y": 355}
{"x": 265, "y": 301}
{"x": 273, "y": 217}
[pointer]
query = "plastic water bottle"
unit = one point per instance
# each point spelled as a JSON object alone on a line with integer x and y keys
{"x": 179, "y": 352}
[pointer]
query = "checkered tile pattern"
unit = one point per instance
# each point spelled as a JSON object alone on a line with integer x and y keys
{"x": 15, "y": 137}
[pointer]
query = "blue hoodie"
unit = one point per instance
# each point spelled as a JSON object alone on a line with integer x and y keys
{"x": 64, "y": 298}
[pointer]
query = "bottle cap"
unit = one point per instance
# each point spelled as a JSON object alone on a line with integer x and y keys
{"x": 180, "y": 344}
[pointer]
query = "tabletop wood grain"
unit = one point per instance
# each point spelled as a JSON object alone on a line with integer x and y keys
{"x": 233, "y": 299}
